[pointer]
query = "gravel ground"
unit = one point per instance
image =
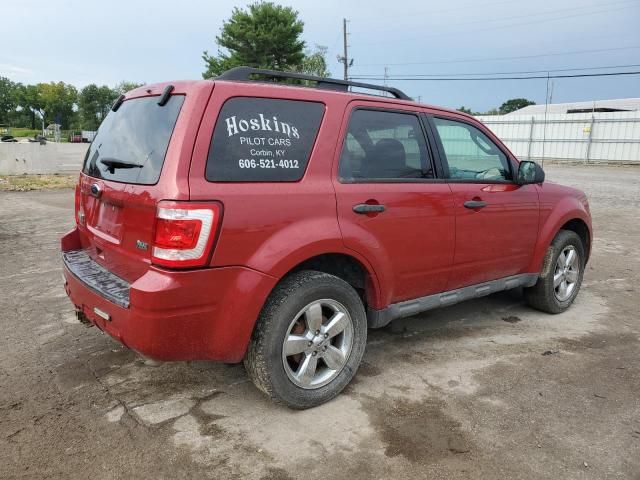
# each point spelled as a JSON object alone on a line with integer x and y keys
{"x": 486, "y": 389}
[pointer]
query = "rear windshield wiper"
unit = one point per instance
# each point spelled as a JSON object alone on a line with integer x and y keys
{"x": 113, "y": 163}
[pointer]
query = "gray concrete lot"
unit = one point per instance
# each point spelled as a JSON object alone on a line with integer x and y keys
{"x": 463, "y": 392}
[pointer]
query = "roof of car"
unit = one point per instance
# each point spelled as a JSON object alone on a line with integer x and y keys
{"x": 330, "y": 92}
{"x": 325, "y": 90}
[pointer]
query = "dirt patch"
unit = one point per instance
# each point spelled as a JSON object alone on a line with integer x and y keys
{"x": 368, "y": 370}
{"x": 512, "y": 319}
{"x": 277, "y": 474}
{"x": 419, "y": 431}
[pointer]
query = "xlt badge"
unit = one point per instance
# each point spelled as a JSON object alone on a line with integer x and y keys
{"x": 141, "y": 245}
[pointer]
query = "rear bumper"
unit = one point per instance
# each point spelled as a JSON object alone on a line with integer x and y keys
{"x": 205, "y": 314}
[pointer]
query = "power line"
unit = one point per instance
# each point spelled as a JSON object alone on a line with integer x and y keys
{"x": 392, "y": 77}
{"x": 467, "y": 7}
{"x": 606, "y": 10}
{"x": 458, "y": 79}
{"x": 516, "y": 17}
{"x": 518, "y": 57}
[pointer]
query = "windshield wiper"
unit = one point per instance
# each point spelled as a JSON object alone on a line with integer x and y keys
{"x": 113, "y": 163}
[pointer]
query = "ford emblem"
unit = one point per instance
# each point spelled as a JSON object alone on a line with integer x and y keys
{"x": 95, "y": 190}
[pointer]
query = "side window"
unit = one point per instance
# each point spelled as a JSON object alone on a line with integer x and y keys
{"x": 470, "y": 154}
{"x": 263, "y": 140}
{"x": 384, "y": 145}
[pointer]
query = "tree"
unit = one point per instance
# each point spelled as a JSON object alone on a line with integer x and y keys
{"x": 315, "y": 62}
{"x": 464, "y": 109}
{"x": 29, "y": 101}
{"x": 124, "y": 87}
{"x": 58, "y": 101}
{"x": 514, "y": 104}
{"x": 264, "y": 36}
{"x": 94, "y": 103}
{"x": 8, "y": 99}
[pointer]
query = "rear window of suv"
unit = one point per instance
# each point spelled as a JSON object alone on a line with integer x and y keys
{"x": 132, "y": 142}
{"x": 263, "y": 140}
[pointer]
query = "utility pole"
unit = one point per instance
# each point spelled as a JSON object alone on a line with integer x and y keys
{"x": 386, "y": 75}
{"x": 345, "y": 58}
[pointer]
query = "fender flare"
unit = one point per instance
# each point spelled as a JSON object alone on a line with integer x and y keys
{"x": 565, "y": 211}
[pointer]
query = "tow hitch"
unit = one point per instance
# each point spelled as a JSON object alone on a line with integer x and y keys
{"x": 83, "y": 319}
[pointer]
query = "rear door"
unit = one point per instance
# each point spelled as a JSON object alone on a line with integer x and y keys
{"x": 136, "y": 159}
{"x": 391, "y": 208}
{"x": 496, "y": 219}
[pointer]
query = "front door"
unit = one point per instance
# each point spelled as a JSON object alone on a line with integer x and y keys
{"x": 496, "y": 219}
{"x": 391, "y": 209}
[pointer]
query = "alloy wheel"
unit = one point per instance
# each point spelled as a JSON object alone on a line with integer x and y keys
{"x": 566, "y": 274}
{"x": 317, "y": 344}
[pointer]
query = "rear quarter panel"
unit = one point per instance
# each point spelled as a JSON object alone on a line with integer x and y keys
{"x": 272, "y": 227}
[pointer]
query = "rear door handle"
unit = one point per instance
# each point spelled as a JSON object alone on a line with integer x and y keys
{"x": 475, "y": 204}
{"x": 366, "y": 208}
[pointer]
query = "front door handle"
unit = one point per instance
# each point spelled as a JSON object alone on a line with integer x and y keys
{"x": 475, "y": 204}
{"x": 367, "y": 208}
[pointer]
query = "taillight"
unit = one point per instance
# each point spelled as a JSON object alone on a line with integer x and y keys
{"x": 184, "y": 233}
{"x": 79, "y": 206}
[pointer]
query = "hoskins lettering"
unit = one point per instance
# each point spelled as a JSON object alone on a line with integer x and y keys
{"x": 235, "y": 126}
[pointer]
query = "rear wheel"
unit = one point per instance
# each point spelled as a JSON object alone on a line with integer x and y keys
{"x": 308, "y": 341}
{"x": 562, "y": 275}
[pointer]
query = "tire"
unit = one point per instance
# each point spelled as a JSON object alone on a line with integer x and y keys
{"x": 300, "y": 300}
{"x": 546, "y": 296}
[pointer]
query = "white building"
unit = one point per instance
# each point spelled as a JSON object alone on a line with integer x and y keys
{"x": 594, "y": 131}
{"x": 616, "y": 105}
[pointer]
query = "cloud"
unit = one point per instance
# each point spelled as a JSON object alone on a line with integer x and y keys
{"x": 15, "y": 70}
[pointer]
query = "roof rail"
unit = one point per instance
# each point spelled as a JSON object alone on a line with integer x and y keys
{"x": 246, "y": 74}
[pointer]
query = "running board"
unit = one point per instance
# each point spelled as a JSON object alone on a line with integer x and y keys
{"x": 380, "y": 318}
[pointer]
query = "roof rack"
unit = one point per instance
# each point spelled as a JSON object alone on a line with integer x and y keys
{"x": 246, "y": 74}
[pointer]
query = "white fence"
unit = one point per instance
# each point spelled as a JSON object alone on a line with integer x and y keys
{"x": 587, "y": 137}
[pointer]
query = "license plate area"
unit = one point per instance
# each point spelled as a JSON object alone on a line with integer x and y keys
{"x": 108, "y": 220}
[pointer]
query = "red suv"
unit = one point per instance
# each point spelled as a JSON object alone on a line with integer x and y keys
{"x": 272, "y": 217}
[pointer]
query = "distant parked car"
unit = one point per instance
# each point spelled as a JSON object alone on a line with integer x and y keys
{"x": 236, "y": 219}
{"x": 88, "y": 136}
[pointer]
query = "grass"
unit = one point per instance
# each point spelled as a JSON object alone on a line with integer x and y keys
{"x": 23, "y": 183}
{"x": 24, "y": 132}
{"x": 29, "y": 133}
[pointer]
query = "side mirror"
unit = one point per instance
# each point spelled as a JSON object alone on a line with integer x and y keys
{"x": 529, "y": 172}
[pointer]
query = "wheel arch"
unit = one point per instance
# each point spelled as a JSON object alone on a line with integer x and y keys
{"x": 346, "y": 266}
{"x": 581, "y": 228}
{"x": 576, "y": 220}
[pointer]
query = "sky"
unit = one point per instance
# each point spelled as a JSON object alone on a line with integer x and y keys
{"x": 105, "y": 42}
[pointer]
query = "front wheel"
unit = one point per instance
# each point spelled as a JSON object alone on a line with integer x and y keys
{"x": 308, "y": 341}
{"x": 560, "y": 282}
